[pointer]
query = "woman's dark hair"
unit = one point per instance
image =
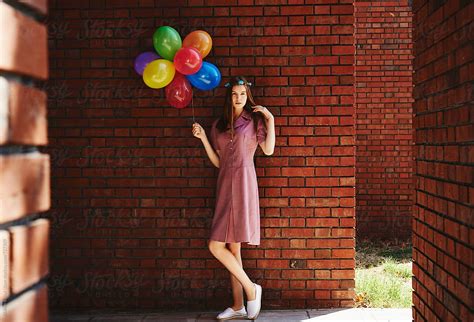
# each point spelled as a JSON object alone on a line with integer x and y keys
{"x": 226, "y": 120}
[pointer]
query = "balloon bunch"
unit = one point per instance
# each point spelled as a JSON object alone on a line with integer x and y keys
{"x": 178, "y": 65}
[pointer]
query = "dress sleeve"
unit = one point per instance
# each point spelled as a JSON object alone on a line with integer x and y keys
{"x": 261, "y": 131}
{"x": 213, "y": 136}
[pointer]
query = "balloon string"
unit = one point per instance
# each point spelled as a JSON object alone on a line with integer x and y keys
{"x": 192, "y": 107}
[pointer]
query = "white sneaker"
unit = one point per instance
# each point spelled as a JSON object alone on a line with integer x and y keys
{"x": 229, "y": 313}
{"x": 253, "y": 307}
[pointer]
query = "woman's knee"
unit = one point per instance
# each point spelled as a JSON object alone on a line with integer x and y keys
{"x": 235, "y": 249}
{"x": 215, "y": 246}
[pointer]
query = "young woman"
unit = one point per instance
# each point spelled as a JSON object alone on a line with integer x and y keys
{"x": 234, "y": 138}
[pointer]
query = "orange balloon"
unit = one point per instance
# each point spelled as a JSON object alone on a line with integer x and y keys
{"x": 200, "y": 40}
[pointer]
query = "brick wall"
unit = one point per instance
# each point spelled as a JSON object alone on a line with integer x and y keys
{"x": 134, "y": 191}
{"x": 24, "y": 171}
{"x": 383, "y": 77}
{"x": 443, "y": 236}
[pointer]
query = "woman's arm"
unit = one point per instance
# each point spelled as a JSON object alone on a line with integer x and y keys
{"x": 199, "y": 132}
{"x": 268, "y": 146}
{"x": 213, "y": 156}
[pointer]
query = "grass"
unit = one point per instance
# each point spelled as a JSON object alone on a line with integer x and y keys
{"x": 383, "y": 274}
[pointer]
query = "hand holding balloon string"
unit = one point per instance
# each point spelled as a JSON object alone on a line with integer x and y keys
{"x": 198, "y": 131}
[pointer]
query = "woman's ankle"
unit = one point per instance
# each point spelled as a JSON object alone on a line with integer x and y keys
{"x": 237, "y": 307}
{"x": 254, "y": 295}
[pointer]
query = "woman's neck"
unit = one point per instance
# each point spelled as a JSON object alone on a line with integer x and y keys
{"x": 237, "y": 112}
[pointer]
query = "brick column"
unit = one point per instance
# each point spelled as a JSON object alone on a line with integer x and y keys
{"x": 443, "y": 235}
{"x": 24, "y": 171}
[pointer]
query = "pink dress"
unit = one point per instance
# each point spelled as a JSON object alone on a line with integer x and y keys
{"x": 237, "y": 209}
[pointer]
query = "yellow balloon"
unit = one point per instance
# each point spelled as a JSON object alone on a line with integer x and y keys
{"x": 158, "y": 73}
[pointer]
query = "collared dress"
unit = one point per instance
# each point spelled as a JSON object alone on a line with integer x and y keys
{"x": 237, "y": 210}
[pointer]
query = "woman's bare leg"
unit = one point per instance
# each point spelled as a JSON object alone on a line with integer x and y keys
{"x": 220, "y": 251}
{"x": 237, "y": 290}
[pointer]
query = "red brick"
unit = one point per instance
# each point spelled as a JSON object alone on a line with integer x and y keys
{"x": 5, "y": 265}
{"x": 342, "y": 9}
{"x": 296, "y": 294}
{"x": 346, "y": 294}
{"x": 246, "y": 11}
{"x": 296, "y": 10}
{"x": 30, "y": 306}
{"x": 25, "y": 121}
{"x": 343, "y": 274}
{"x": 343, "y": 253}
{"x": 24, "y": 185}
{"x": 39, "y": 5}
{"x": 29, "y": 254}
{"x": 24, "y": 44}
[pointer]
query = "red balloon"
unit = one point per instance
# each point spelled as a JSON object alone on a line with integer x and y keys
{"x": 188, "y": 60}
{"x": 179, "y": 92}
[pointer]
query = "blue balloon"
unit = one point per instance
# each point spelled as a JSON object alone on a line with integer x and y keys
{"x": 207, "y": 77}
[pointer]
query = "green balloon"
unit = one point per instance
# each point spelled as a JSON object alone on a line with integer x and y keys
{"x": 166, "y": 41}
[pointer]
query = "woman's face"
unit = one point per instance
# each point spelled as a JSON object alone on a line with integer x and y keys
{"x": 239, "y": 96}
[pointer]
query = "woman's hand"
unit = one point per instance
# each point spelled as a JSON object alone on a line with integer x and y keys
{"x": 198, "y": 131}
{"x": 262, "y": 109}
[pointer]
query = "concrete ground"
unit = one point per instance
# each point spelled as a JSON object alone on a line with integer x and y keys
{"x": 309, "y": 315}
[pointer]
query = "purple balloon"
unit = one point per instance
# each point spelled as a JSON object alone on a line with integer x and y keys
{"x": 144, "y": 59}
